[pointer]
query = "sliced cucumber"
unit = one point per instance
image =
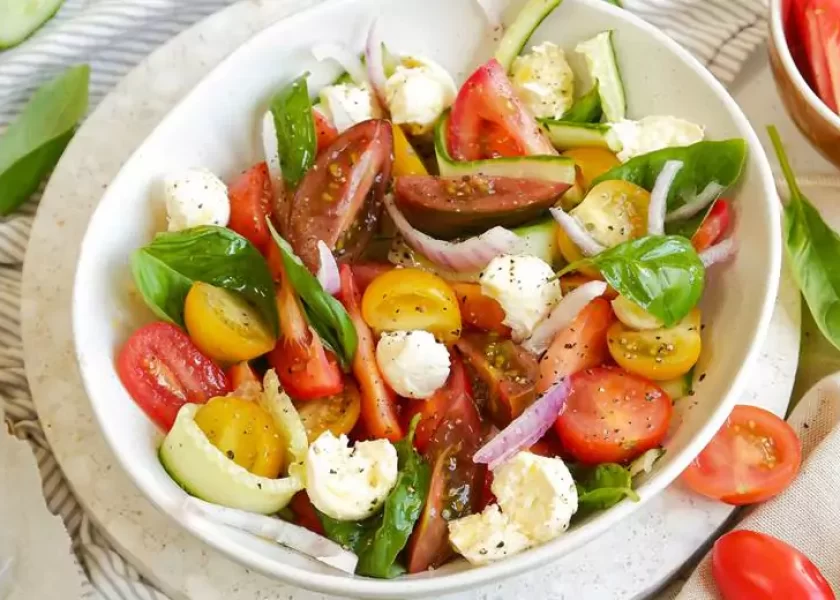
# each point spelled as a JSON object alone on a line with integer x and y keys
{"x": 540, "y": 239}
{"x": 20, "y": 18}
{"x": 586, "y": 109}
{"x": 599, "y": 53}
{"x": 548, "y": 168}
{"x": 565, "y": 135}
{"x": 526, "y": 22}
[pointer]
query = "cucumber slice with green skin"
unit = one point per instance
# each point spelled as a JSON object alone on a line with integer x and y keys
{"x": 565, "y": 135}
{"x": 21, "y": 18}
{"x": 586, "y": 109}
{"x": 517, "y": 35}
{"x": 557, "y": 169}
{"x": 540, "y": 239}
{"x": 599, "y": 53}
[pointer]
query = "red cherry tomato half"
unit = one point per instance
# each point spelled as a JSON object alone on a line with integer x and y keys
{"x": 748, "y": 565}
{"x": 240, "y": 374}
{"x": 713, "y": 226}
{"x": 366, "y": 271}
{"x": 162, "y": 370}
{"x": 250, "y": 204}
{"x": 612, "y": 416}
{"x": 324, "y": 131}
{"x": 305, "y": 513}
{"x": 753, "y": 457}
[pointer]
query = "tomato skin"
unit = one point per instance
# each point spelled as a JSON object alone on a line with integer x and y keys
{"x": 748, "y": 565}
{"x": 591, "y": 163}
{"x": 733, "y": 467}
{"x": 189, "y": 376}
{"x": 250, "y": 203}
{"x": 582, "y": 345}
{"x": 820, "y": 30}
{"x": 365, "y": 272}
{"x": 338, "y": 413}
{"x": 612, "y": 416}
{"x": 713, "y": 226}
{"x": 380, "y": 418}
{"x": 240, "y": 374}
{"x": 488, "y": 95}
{"x": 480, "y": 311}
{"x": 498, "y": 143}
{"x": 305, "y": 514}
{"x": 324, "y": 131}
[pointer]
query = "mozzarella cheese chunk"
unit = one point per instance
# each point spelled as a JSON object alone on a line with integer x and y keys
{"x": 526, "y": 288}
{"x": 349, "y": 484}
{"x": 487, "y": 536}
{"x": 537, "y": 494}
{"x": 418, "y": 92}
{"x": 654, "y": 133}
{"x": 346, "y": 104}
{"x": 195, "y": 197}
{"x": 544, "y": 80}
{"x": 413, "y": 363}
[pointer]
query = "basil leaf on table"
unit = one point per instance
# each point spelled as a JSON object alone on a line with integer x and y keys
{"x": 662, "y": 274}
{"x": 703, "y": 163}
{"x": 33, "y": 143}
{"x": 586, "y": 109}
{"x": 165, "y": 269}
{"x": 602, "y": 487}
{"x": 325, "y": 314}
{"x": 814, "y": 251}
{"x": 378, "y": 540}
{"x": 296, "y": 141}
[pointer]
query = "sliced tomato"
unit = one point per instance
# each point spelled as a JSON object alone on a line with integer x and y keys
{"x": 380, "y": 417}
{"x": 582, "y": 345}
{"x": 242, "y": 374}
{"x": 714, "y": 225}
{"x": 506, "y": 374}
{"x": 365, "y": 272}
{"x": 479, "y": 311}
{"x": 487, "y": 496}
{"x": 306, "y": 369}
{"x": 822, "y": 45}
{"x": 162, "y": 370}
{"x": 748, "y": 565}
{"x": 612, "y": 416}
{"x": 497, "y": 142}
{"x": 333, "y": 204}
{"x": 305, "y": 514}
{"x": 250, "y": 204}
{"x": 337, "y": 414}
{"x": 755, "y": 456}
{"x": 324, "y": 131}
{"x": 489, "y": 96}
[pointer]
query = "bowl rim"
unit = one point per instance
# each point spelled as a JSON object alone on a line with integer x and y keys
{"x": 779, "y": 41}
{"x": 340, "y": 584}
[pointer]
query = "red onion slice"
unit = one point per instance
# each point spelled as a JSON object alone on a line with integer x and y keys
{"x": 272, "y": 152}
{"x": 327, "y": 270}
{"x": 709, "y": 194}
{"x": 374, "y": 60}
{"x": 562, "y": 315}
{"x": 472, "y": 254}
{"x": 659, "y": 197}
{"x": 524, "y": 431}
{"x": 719, "y": 252}
{"x": 284, "y": 533}
{"x": 348, "y": 60}
{"x": 576, "y": 232}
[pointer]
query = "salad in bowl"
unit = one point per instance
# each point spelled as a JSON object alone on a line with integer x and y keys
{"x": 434, "y": 320}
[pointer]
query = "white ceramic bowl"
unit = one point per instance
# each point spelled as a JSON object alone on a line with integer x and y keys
{"x": 216, "y": 127}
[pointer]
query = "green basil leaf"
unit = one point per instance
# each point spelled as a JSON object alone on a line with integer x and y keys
{"x": 662, "y": 274}
{"x": 813, "y": 248}
{"x": 602, "y": 487}
{"x": 33, "y": 143}
{"x": 703, "y": 163}
{"x": 379, "y": 539}
{"x": 687, "y": 227}
{"x": 165, "y": 269}
{"x": 586, "y": 109}
{"x": 296, "y": 141}
{"x": 325, "y": 314}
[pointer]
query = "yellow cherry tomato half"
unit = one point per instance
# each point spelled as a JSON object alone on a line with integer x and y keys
{"x": 337, "y": 413}
{"x": 592, "y": 162}
{"x": 406, "y": 159}
{"x": 658, "y": 354}
{"x": 407, "y": 299}
{"x": 244, "y": 432}
{"x": 224, "y": 326}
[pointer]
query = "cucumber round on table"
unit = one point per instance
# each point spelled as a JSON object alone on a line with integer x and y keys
{"x": 20, "y": 18}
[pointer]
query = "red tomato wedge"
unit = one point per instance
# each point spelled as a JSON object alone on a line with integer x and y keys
{"x": 488, "y": 96}
{"x": 612, "y": 416}
{"x": 163, "y": 370}
{"x": 324, "y": 131}
{"x": 714, "y": 225}
{"x": 333, "y": 202}
{"x": 821, "y": 23}
{"x": 250, "y": 204}
{"x": 497, "y": 142}
{"x": 305, "y": 514}
{"x": 755, "y": 456}
{"x": 306, "y": 369}
{"x": 241, "y": 374}
{"x": 365, "y": 272}
{"x": 582, "y": 345}
{"x": 479, "y": 311}
{"x": 380, "y": 418}
{"x": 748, "y": 565}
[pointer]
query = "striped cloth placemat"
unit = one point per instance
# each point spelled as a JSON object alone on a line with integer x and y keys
{"x": 115, "y": 35}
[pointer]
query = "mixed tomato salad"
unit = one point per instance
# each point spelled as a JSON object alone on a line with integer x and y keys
{"x": 437, "y": 320}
